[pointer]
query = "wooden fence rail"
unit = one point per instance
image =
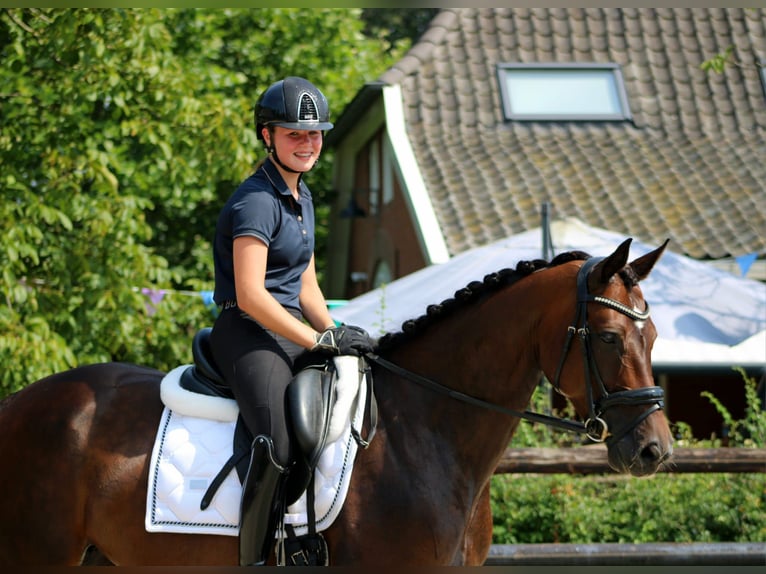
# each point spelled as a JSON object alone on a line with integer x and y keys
{"x": 593, "y": 460}
{"x": 726, "y": 554}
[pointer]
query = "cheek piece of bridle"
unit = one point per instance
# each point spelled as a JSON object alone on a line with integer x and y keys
{"x": 595, "y": 427}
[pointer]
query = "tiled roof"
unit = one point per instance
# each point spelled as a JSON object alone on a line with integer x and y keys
{"x": 690, "y": 166}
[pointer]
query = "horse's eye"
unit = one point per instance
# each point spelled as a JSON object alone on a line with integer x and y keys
{"x": 608, "y": 337}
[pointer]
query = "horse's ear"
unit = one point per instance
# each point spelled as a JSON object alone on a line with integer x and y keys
{"x": 644, "y": 264}
{"x": 604, "y": 269}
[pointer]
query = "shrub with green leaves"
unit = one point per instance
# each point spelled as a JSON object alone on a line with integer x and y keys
{"x": 665, "y": 508}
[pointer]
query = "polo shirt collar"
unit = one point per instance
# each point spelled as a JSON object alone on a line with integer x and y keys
{"x": 276, "y": 179}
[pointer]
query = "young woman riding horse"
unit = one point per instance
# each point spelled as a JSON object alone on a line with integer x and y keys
{"x": 266, "y": 285}
{"x": 451, "y": 390}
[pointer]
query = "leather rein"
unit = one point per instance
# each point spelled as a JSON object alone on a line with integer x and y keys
{"x": 595, "y": 427}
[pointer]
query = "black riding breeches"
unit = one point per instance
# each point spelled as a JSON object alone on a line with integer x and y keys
{"x": 257, "y": 365}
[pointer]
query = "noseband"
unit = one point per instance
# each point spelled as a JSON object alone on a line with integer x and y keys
{"x": 595, "y": 427}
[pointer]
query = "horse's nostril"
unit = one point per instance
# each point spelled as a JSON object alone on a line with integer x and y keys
{"x": 651, "y": 452}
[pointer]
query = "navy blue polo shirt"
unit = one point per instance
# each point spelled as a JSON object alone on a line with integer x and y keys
{"x": 263, "y": 207}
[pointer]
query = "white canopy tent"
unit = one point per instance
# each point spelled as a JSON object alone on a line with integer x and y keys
{"x": 705, "y": 317}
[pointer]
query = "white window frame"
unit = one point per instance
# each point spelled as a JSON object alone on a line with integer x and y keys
{"x": 610, "y": 70}
{"x": 763, "y": 76}
{"x": 374, "y": 182}
{"x": 388, "y": 171}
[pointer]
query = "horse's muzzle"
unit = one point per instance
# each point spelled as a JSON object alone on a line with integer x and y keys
{"x": 644, "y": 450}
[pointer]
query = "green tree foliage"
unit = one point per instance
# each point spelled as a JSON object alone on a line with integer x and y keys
{"x": 123, "y": 130}
{"x": 397, "y": 26}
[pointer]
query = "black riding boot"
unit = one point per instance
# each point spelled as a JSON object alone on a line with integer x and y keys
{"x": 262, "y": 503}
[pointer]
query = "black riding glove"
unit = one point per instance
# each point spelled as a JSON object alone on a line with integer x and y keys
{"x": 343, "y": 340}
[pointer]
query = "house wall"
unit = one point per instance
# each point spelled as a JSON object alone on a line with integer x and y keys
{"x": 340, "y": 238}
{"x": 384, "y": 243}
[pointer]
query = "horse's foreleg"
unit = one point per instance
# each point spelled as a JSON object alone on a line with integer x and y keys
{"x": 478, "y": 533}
{"x": 93, "y": 557}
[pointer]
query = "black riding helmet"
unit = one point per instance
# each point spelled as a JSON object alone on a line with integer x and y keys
{"x": 293, "y": 103}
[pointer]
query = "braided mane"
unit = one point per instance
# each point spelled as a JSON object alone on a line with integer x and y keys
{"x": 470, "y": 293}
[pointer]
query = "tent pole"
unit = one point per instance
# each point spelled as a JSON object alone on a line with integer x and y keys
{"x": 546, "y": 229}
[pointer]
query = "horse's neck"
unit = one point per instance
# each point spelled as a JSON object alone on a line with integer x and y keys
{"x": 484, "y": 352}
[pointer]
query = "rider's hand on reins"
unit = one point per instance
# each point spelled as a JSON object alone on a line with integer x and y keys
{"x": 343, "y": 340}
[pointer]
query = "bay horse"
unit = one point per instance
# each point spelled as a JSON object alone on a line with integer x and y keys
{"x": 450, "y": 389}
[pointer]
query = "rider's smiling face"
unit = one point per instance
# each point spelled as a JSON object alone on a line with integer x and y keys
{"x": 297, "y": 149}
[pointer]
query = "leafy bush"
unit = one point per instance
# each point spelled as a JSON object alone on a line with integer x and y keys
{"x": 712, "y": 507}
{"x": 750, "y": 430}
{"x": 664, "y": 508}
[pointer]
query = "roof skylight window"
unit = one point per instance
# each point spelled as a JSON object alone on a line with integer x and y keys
{"x": 557, "y": 92}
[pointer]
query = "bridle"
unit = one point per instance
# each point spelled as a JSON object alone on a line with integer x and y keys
{"x": 595, "y": 427}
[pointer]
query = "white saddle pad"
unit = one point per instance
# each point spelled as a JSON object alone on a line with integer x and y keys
{"x": 190, "y": 450}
